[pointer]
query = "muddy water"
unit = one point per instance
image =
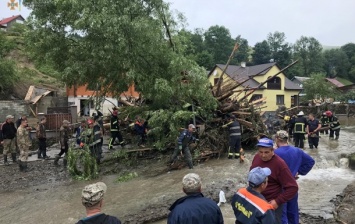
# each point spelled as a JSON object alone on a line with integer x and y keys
{"x": 61, "y": 204}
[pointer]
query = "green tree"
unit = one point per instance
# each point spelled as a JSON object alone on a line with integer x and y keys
{"x": 219, "y": 43}
{"x": 336, "y": 63}
{"x": 242, "y": 54}
{"x": 308, "y": 51}
{"x": 7, "y": 66}
{"x": 117, "y": 43}
{"x": 318, "y": 87}
{"x": 349, "y": 49}
{"x": 262, "y": 53}
{"x": 280, "y": 50}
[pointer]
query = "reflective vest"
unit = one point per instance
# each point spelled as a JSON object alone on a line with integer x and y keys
{"x": 333, "y": 123}
{"x": 234, "y": 129}
{"x": 300, "y": 125}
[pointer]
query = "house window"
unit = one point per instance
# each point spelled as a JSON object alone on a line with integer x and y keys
{"x": 216, "y": 81}
{"x": 274, "y": 83}
{"x": 256, "y": 97}
{"x": 280, "y": 100}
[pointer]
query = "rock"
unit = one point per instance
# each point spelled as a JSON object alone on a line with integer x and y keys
{"x": 344, "y": 163}
{"x": 352, "y": 161}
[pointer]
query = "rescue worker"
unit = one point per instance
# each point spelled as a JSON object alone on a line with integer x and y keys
{"x": 79, "y": 131}
{"x": 234, "y": 137}
{"x": 9, "y": 139}
{"x": 324, "y": 122}
{"x": 115, "y": 130}
{"x": 249, "y": 205}
{"x": 64, "y": 146}
{"x": 334, "y": 125}
{"x": 291, "y": 126}
{"x": 140, "y": 128}
{"x": 182, "y": 146}
{"x": 312, "y": 130}
{"x": 287, "y": 121}
{"x": 42, "y": 139}
{"x": 194, "y": 208}
{"x": 92, "y": 138}
{"x": 299, "y": 130}
{"x": 299, "y": 163}
{"x": 24, "y": 143}
{"x": 98, "y": 119}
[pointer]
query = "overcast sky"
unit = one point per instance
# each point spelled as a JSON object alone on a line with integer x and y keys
{"x": 332, "y": 22}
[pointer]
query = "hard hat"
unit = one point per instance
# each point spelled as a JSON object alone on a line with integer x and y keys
{"x": 90, "y": 121}
{"x": 300, "y": 113}
{"x": 287, "y": 118}
{"x": 328, "y": 113}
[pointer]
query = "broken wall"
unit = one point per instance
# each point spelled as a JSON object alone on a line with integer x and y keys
{"x": 16, "y": 108}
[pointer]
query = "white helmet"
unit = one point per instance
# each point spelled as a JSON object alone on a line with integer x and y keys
{"x": 300, "y": 113}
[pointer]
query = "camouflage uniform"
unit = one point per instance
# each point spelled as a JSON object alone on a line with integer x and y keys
{"x": 64, "y": 138}
{"x": 23, "y": 142}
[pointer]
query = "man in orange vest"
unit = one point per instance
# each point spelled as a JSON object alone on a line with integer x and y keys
{"x": 249, "y": 204}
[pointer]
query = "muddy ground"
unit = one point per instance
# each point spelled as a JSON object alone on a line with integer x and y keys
{"x": 43, "y": 173}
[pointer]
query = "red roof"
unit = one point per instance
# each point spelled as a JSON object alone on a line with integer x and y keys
{"x": 9, "y": 19}
{"x": 335, "y": 82}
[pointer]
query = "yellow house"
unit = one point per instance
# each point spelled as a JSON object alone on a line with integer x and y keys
{"x": 279, "y": 91}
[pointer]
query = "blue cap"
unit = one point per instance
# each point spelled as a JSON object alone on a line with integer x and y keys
{"x": 257, "y": 176}
{"x": 266, "y": 142}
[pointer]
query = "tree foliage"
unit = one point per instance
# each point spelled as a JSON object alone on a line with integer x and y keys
{"x": 336, "y": 63}
{"x": 262, "y": 53}
{"x": 316, "y": 87}
{"x": 308, "y": 51}
{"x": 280, "y": 50}
{"x": 7, "y": 66}
{"x": 117, "y": 43}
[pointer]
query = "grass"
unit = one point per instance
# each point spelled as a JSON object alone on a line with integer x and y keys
{"x": 126, "y": 177}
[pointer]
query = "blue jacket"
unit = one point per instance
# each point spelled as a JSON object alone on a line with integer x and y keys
{"x": 296, "y": 159}
{"x": 185, "y": 138}
{"x": 251, "y": 207}
{"x": 195, "y": 209}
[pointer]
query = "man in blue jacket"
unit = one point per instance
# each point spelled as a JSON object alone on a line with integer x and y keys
{"x": 299, "y": 163}
{"x": 194, "y": 208}
{"x": 183, "y": 143}
{"x": 249, "y": 205}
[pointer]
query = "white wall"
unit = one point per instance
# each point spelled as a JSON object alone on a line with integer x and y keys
{"x": 106, "y": 105}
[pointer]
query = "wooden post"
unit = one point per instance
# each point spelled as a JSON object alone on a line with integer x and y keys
{"x": 220, "y": 80}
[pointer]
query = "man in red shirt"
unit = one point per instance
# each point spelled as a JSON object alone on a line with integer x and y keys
{"x": 282, "y": 186}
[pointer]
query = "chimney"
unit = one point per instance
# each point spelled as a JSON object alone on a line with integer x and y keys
{"x": 243, "y": 64}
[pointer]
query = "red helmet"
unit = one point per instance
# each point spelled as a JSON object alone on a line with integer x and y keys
{"x": 90, "y": 121}
{"x": 328, "y": 113}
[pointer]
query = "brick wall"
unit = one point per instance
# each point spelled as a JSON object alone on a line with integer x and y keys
{"x": 16, "y": 108}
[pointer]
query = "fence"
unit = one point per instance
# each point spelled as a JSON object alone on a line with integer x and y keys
{"x": 55, "y": 121}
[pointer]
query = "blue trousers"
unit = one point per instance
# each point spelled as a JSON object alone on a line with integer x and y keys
{"x": 290, "y": 213}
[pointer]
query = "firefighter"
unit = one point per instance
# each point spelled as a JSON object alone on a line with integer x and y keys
{"x": 334, "y": 125}
{"x": 291, "y": 126}
{"x": 300, "y": 130}
{"x": 324, "y": 123}
{"x": 115, "y": 130}
{"x": 234, "y": 137}
{"x": 92, "y": 138}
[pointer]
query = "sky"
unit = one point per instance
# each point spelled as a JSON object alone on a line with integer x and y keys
{"x": 332, "y": 22}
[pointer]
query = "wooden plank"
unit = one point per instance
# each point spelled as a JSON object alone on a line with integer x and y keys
{"x": 258, "y": 101}
{"x": 139, "y": 150}
{"x": 292, "y": 108}
{"x": 29, "y": 93}
{"x": 241, "y": 113}
{"x": 245, "y": 123}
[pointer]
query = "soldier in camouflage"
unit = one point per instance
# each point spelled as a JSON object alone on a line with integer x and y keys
{"x": 64, "y": 146}
{"x": 24, "y": 143}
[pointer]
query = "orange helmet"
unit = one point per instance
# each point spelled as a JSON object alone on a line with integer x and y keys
{"x": 90, "y": 121}
{"x": 328, "y": 113}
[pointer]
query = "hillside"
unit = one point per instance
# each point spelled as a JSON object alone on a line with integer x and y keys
{"x": 27, "y": 73}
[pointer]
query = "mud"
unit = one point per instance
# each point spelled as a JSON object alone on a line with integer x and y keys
{"x": 47, "y": 194}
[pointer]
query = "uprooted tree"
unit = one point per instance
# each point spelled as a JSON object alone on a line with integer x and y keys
{"x": 110, "y": 45}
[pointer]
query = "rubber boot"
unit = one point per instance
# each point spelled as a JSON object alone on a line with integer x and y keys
{"x": 56, "y": 159}
{"x": 20, "y": 165}
{"x": 65, "y": 162}
{"x": 5, "y": 160}
{"x": 336, "y": 137}
{"x": 13, "y": 155}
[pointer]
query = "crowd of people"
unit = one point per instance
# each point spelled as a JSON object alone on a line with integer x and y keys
{"x": 299, "y": 126}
